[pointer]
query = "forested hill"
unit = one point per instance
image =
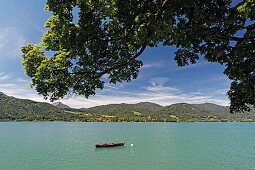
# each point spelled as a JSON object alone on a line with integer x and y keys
{"x": 179, "y": 111}
{"x": 14, "y": 109}
{"x": 123, "y": 108}
{"x": 152, "y": 108}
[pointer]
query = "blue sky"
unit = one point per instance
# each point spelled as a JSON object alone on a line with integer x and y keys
{"x": 160, "y": 80}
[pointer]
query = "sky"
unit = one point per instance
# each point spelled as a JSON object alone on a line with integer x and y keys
{"x": 159, "y": 81}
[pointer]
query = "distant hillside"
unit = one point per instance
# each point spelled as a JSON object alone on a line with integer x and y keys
{"x": 180, "y": 111}
{"x": 214, "y": 108}
{"x": 14, "y": 109}
{"x": 60, "y": 105}
{"x": 184, "y": 108}
{"x": 130, "y": 109}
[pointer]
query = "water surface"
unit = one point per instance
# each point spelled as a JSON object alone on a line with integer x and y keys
{"x": 61, "y": 145}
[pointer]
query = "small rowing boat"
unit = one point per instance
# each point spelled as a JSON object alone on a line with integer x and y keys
{"x": 110, "y": 144}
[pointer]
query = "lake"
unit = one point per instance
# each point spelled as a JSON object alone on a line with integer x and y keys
{"x": 63, "y": 145}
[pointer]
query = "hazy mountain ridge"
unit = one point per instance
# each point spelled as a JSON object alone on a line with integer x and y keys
{"x": 60, "y": 105}
{"x": 14, "y": 109}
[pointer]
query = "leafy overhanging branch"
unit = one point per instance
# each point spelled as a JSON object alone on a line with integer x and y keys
{"x": 110, "y": 35}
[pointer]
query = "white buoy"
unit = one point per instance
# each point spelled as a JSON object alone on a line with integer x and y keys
{"x": 132, "y": 144}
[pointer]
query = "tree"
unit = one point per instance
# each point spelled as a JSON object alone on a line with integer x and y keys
{"x": 109, "y": 35}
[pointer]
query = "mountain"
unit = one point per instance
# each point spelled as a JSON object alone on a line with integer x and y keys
{"x": 60, "y": 105}
{"x": 183, "y": 108}
{"x": 14, "y": 109}
{"x": 2, "y": 94}
{"x": 213, "y": 107}
{"x": 180, "y": 111}
{"x": 151, "y": 108}
{"x": 126, "y": 109}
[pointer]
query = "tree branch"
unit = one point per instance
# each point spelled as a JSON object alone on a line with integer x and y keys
{"x": 150, "y": 32}
{"x": 123, "y": 64}
{"x": 138, "y": 12}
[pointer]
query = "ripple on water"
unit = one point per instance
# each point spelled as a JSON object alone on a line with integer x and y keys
{"x": 155, "y": 146}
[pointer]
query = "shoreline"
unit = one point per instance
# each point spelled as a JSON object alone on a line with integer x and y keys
{"x": 253, "y": 121}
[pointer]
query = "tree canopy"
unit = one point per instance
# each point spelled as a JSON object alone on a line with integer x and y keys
{"x": 109, "y": 35}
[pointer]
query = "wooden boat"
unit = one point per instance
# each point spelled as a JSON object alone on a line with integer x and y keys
{"x": 110, "y": 144}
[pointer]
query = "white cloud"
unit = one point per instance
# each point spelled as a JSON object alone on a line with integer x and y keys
{"x": 17, "y": 87}
{"x": 4, "y": 76}
{"x": 10, "y": 42}
{"x": 197, "y": 93}
{"x": 162, "y": 89}
{"x": 158, "y": 86}
{"x": 108, "y": 85}
{"x": 22, "y": 80}
{"x": 153, "y": 65}
{"x": 22, "y": 91}
{"x": 221, "y": 91}
{"x": 156, "y": 91}
{"x": 158, "y": 81}
{"x": 7, "y": 85}
{"x": 131, "y": 98}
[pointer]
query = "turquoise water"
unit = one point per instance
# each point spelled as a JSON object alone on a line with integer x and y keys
{"x": 60, "y": 145}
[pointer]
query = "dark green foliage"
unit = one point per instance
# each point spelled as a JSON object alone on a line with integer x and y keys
{"x": 109, "y": 36}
